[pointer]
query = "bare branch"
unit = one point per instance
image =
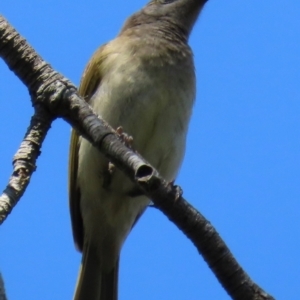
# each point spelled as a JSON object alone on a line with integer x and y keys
{"x": 2, "y": 289}
{"x": 24, "y": 162}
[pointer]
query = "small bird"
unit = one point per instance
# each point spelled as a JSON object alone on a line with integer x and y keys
{"x": 143, "y": 81}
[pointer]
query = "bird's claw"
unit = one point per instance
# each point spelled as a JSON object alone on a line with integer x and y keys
{"x": 178, "y": 189}
{"x": 111, "y": 168}
{"x": 126, "y": 139}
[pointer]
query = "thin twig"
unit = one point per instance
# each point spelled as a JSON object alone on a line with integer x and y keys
{"x": 24, "y": 162}
{"x": 2, "y": 289}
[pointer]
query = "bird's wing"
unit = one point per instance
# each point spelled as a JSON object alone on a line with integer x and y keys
{"x": 90, "y": 81}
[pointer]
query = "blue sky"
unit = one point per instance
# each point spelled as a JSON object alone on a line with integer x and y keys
{"x": 241, "y": 170}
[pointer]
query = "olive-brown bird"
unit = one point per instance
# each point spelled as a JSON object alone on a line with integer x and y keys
{"x": 143, "y": 81}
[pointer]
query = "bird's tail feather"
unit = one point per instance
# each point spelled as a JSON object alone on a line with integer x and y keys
{"x": 93, "y": 283}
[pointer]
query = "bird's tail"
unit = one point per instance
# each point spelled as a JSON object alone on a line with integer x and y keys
{"x": 93, "y": 283}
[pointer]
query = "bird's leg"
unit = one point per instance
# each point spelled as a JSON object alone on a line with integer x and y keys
{"x": 128, "y": 141}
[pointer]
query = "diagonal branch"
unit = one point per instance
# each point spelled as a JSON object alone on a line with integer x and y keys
{"x": 24, "y": 161}
{"x": 58, "y": 97}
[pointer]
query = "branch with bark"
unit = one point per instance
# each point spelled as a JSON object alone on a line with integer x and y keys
{"x": 54, "y": 96}
{"x": 2, "y": 289}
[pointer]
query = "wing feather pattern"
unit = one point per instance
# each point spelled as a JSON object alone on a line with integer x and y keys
{"x": 90, "y": 81}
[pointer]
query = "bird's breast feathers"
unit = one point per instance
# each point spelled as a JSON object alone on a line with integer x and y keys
{"x": 152, "y": 100}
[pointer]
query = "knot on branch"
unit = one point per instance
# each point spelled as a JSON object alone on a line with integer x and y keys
{"x": 53, "y": 93}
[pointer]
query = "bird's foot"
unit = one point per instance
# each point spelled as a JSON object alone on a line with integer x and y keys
{"x": 125, "y": 138}
{"x": 107, "y": 175}
{"x": 111, "y": 168}
{"x": 177, "y": 188}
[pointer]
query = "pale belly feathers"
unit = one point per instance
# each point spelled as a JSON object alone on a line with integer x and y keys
{"x": 154, "y": 107}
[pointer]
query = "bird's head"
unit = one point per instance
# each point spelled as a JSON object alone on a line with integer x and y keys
{"x": 180, "y": 14}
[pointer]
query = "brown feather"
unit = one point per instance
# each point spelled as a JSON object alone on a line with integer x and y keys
{"x": 90, "y": 80}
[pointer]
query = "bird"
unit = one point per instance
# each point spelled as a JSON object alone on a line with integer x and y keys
{"x": 142, "y": 82}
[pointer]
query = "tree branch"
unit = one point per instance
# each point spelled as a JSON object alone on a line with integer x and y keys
{"x": 24, "y": 161}
{"x": 2, "y": 289}
{"x": 58, "y": 97}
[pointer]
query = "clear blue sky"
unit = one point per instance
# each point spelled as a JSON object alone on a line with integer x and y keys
{"x": 242, "y": 164}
